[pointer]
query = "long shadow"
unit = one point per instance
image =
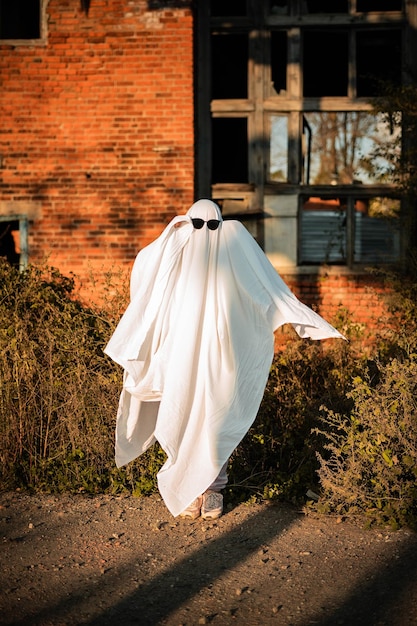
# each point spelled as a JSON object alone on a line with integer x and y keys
{"x": 162, "y": 594}
{"x": 165, "y": 593}
{"x": 388, "y": 599}
{"x": 377, "y": 600}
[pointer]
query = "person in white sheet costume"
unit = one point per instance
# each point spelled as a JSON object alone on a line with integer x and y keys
{"x": 196, "y": 343}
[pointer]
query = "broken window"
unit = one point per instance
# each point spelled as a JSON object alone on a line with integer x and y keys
{"x": 14, "y": 241}
{"x": 20, "y": 19}
{"x": 229, "y": 66}
{"x": 369, "y": 6}
{"x": 324, "y": 6}
{"x": 222, "y": 8}
{"x": 230, "y": 150}
{"x": 378, "y": 60}
{"x": 279, "y": 60}
{"x": 282, "y": 114}
{"x": 325, "y": 63}
{"x": 9, "y": 243}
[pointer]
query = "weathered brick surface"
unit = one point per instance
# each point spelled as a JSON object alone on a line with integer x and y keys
{"x": 359, "y": 298}
{"x": 97, "y": 126}
{"x": 97, "y": 133}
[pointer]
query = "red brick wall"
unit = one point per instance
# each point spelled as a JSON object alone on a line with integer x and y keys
{"x": 97, "y": 128}
{"x": 357, "y": 298}
{"x": 97, "y": 133}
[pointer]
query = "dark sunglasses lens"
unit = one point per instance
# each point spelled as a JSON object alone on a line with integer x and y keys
{"x": 213, "y": 224}
{"x": 197, "y": 223}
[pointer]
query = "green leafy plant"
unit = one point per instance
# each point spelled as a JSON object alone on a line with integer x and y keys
{"x": 371, "y": 463}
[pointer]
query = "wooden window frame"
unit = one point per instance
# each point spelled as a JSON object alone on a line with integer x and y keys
{"x": 248, "y": 200}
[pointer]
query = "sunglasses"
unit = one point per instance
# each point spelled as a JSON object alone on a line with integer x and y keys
{"x": 199, "y": 223}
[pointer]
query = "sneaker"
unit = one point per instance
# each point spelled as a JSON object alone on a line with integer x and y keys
{"x": 212, "y": 506}
{"x": 193, "y": 510}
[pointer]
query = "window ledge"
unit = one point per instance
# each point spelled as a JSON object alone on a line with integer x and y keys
{"x": 330, "y": 270}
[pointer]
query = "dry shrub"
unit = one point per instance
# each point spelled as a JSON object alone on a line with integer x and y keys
{"x": 59, "y": 396}
{"x": 59, "y": 392}
{"x": 277, "y": 458}
{"x": 371, "y": 463}
{"x": 368, "y": 464}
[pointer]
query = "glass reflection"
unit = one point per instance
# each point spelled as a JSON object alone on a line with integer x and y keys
{"x": 323, "y": 230}
{"x": 377, "y": 235}
{"x": 346, "y": 148}
{"x": 278, "y": 162}
{"x": 368, "y": 227}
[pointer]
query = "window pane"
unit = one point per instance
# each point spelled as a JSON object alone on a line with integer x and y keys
{"x": 377, "y": 234}
{"x": 323, "y": 231}
{"x": 325, "y": 6}
{"x": 230, "y": 150}
{"x": 10, "y": 242}
{"x": 279, "y": 61}
{"x": 220, "y": 8}
{"x": 378, "y": 60}
{"x": 278, "y": 161}
{"x": 347, "y": 148}
{"x": 325, "y": 63}
{"x": 19, "y": 19}
{"x": 229, "y": 67}
{"x": 278, "y": 7}
{"x": 367, "y": 6}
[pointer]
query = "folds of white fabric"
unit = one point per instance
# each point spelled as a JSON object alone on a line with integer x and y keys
{"x": 196, "y": 344}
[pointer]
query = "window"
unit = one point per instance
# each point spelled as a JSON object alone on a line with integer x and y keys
{"x": 323, "y": 231}
{"x": 14, "y": 240}
{"x": 325, "y": 63}
{"x": 378, "y": 55}
{"x": 325, "y": 6}
{"x": 228, "y": 7}
{"x": 20, "y": 19}
{"x": 229, "y": 65}
{"x": 376, "y": 228}
{"x": 349, "y": 147}
{"x": 369, "y": 6}
{"x": 286, "y": 121}
{"x": 278, "y": 161}
{"x": 230, "y": 150}
{"x": 279, "y": 61}
{"x": 326, "y": 56}
{"x": 349, "y": 230}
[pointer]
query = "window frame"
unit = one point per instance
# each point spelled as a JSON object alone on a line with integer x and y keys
{"x": 23, "y": 237}
{"x": 38, "y": 41}
{"x": 261, "y": 103}
{"x": 350, "y": 230}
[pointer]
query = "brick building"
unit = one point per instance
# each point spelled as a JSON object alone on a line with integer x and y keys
{"x": 117, "y": 114}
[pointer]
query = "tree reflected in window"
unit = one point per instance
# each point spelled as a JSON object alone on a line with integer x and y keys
{"x": 348, "y": 148}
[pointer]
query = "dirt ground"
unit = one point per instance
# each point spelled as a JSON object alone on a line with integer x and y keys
{"x": 107, "y": 560}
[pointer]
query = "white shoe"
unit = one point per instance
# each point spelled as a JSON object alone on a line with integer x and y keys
{"x": 212, "y": 506}
{"x": 193, "y": 510}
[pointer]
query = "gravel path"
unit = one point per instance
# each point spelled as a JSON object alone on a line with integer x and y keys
{"x": 106, "y": 560}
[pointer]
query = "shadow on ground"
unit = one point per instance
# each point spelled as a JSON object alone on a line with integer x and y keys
{"x": 270, "y": 565}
